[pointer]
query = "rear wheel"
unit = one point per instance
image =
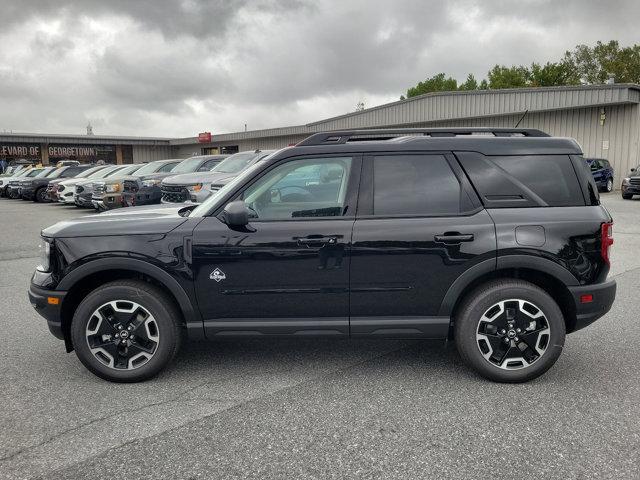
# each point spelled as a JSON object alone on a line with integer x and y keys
{"x": 126, "y": 331}
{"x": 510, "y": 331}
{"x": 609, "y": 186}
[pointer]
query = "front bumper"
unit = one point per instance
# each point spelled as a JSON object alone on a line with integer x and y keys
{"x": 144, "y": 196}
{"x": 602, "y": 294}
{"x": 66, "y": 196}
{"x": 108, "y": 201}
{"x": 83, "y": 199}
{"x": 630, "y": 189}
{"x": 41, "y": 300}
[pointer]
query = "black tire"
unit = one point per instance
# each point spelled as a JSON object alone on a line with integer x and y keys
{"x": 479, "y": 302}
{"x": 40, "y": 195}
{"x": 626, "y": 196}
{"x": 167, "y": 327}
{"x": 609, "y": 186}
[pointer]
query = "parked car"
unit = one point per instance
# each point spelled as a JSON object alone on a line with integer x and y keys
{"x": 197, "y": 187}
{"x": 631, "y": 184}
{"x": 52, "y": 188}
{"x": 83, "y": 194}
{"x": 15, "y": 186}
{"x": 602, "y": 172}
{"x": 36, "y": 188}
{"x": 107, "y": 193}
{"x": 146, "y": 190}
{"x": 67, "y": 188}
{"x": 377, "y": 238}
{"x": 6, "y": 179}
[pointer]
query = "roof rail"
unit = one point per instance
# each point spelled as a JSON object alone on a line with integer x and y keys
{"x": 343, "y": 136}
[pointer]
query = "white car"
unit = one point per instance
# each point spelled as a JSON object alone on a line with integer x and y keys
{"x": 67, "y": 188}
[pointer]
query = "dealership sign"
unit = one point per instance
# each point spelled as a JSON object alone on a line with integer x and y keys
{"x": 204, "y": 137}
{"x": 72, "y": 152}
{"x": 19, "y": 151}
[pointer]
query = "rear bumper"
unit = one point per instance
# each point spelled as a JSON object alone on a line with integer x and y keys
{"x": 603, "y": 295}
{"x": 39, "y": 298}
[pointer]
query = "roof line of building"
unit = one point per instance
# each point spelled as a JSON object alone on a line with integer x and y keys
{"x": 632, "y": 86}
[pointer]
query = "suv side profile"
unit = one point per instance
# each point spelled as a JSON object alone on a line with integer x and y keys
{"x": 602, "y": 172}
{"x": 414, "y": 233}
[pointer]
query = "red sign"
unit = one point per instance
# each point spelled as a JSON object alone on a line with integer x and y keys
{"x": 204, "y": 137}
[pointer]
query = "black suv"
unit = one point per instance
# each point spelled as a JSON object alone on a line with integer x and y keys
{"x": 493, "y": 237}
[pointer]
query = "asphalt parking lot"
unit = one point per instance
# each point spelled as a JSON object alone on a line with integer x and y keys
{"x": 316, "y": 408}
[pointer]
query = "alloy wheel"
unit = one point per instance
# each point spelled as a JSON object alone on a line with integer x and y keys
{"x": 122, "y": 335}
{"x": 609, "y": 185}
{"x": 513, "y": 334}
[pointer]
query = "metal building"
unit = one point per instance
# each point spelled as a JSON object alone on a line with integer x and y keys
{"x": 604, "y": 119}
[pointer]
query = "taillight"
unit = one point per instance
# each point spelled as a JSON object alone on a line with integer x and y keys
{"x": 606, "y": 233}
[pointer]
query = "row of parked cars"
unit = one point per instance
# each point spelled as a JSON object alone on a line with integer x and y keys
{"x": 105, "y": 187}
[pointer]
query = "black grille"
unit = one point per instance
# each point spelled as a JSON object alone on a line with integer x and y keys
{"x": 130, "y": 186}
{"x": 634, "y": 180}
{"x": 174, "y": 193}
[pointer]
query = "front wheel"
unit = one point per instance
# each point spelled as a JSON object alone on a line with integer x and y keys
{"x": 126, "y": 331}
{"x": 509, "y": 331}
{"x": 41, "y": 195}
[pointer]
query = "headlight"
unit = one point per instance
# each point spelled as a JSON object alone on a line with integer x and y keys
{"x": 625, "y": 181}
{"x": 45, "y": 255}
{"x": 112, "y": 188}
{"x": 195, "y": 188}
{"x": 151, "y": 183}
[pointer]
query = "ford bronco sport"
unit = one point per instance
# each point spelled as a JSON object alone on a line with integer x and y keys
{"x": 494, "y": 238}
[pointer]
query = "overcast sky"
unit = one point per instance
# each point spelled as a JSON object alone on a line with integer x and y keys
{"x": 175, "y": 68}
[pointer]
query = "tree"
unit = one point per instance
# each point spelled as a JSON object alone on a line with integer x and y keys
{"x": 470, "y": 83}
{"x": 501, "y": 76}
{"x": 553, "y": 74}
{"x": 437, "y": 83}
{"x": 594, "y": 65}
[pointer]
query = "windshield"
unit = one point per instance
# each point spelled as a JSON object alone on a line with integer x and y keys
{"x": 235, "y": 163}
{"x": 205, "y": 207}
{"x": 129, "y": 170}
{"x": 188, "y": 166}
{"x": 34, "y": 172}
{"x": 45, "y": 172}
{"x": 102, "y": 173}
{"x": 115, "y": 170}
{"x": 149, "y": 168}
{"x": 56, "y": 173}
{"x": 88, "y": 171}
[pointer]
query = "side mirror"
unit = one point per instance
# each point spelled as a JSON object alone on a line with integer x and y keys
{"x": 236, "y": 214}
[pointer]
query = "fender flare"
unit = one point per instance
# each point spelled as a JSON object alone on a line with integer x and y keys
{"x": 530, "y": 262}
{"x": 192, "y": 317}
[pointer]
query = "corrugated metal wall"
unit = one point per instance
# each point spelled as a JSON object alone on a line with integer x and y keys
{"x": 142, "y": 154}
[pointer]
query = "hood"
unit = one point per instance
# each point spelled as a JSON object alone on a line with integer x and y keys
{"x": 199, "y": 177}
{"x": 153, "y": 176}
{"x": 145, "y": 220}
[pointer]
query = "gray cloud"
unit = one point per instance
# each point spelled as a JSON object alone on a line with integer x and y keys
{"x": 167, "y": 67}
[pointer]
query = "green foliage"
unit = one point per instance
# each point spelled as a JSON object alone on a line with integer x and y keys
{"x": 583, "y": 65}
{"x": 437, "y": 83}
{"x": 470, "y": 84}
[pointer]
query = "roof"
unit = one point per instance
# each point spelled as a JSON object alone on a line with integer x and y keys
{"x": 456, "y": 105}
{"x": 54, "y": 138}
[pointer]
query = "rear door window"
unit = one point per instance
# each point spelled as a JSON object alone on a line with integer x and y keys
{"x": 421, "y": 185}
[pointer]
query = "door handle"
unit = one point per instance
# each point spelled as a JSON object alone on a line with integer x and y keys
{"x": 318, "y": 240}
{"x": 453, "y": 237}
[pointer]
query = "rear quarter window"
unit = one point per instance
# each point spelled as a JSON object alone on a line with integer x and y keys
{"x": 523, "y": 180}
